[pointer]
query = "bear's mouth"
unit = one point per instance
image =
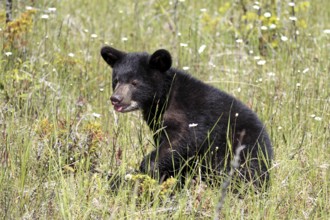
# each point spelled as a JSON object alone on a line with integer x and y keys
{"x": 119, "y": 108}
{"x": 126, "y": 108}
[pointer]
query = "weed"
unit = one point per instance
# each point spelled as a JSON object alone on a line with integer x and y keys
{"x": 59, "y": 135}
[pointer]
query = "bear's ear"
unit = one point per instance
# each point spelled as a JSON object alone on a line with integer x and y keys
{"x": 111, "y": 55}
{"x": 160, "y": 60}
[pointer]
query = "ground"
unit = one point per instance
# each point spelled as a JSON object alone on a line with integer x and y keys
{"x": 60, "y": 136}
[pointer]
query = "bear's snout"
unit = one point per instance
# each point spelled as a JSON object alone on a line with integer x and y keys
{"x": 116, "y": 99}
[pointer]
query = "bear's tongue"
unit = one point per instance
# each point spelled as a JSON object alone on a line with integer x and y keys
{"x": 118, "y": 108}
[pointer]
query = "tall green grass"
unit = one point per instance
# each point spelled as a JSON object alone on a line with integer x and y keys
{"x": 61, "y": 140}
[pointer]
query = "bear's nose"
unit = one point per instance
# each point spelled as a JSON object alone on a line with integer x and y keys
{"x": 116, "y": 99}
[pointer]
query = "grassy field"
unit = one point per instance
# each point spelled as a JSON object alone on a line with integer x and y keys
{"x": 60, "y": 137}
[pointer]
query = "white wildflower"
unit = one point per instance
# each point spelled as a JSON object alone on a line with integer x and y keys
{"x": 271, "y": 74}
{"x": 8, "y": 54}
{"x": 293, "y": 18}
{"x": 326, "y": 31}
{"x": 267, "y": 14}
{"x": 71, "y": 54}
{"x": 305, "y": 70}
{"x": 128, "y": 176}
{"x": 201, "y": 48}
{"x": 256, "y": 7}
{"x": 124, "y": 39}
{"x": 29, "y": 8}
{"x": 203, "y": 9}
{"x": 186, "y": 68}
{"x": 298, "y": 85}
{"x": 239, "y": 41}
{"x": 96, "y": 115}
{"x": 317, "y": 118}
{"x": 212, "y": 64}
{"x": 261, "y": 62}
{"x": 44, "y": 16}
{"x": 93, "y": 36}
{"x": 193, "y": 125}
{"x": 183, "y": 45}
{"x": 284, "y": 38}
{"x": 52, "y": 9}
{"x": 291, "y": 4}
{"x": 264, "y": 28}
{"x": 272, "y": 26}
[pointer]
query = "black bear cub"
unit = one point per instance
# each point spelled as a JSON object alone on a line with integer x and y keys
{"x": 192, "y": 122}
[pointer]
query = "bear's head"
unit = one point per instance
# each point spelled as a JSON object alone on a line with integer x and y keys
{"x": 137, "y": 78}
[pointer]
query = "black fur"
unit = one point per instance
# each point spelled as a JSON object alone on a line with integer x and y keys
{"x": 191, "y": 121}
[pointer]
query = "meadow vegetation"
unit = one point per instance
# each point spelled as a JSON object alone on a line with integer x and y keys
{"x": 63, "y": 149}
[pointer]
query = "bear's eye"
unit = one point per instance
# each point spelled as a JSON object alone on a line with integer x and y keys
{"x": 135, "y": 82}
{"x": 115, "y": 81}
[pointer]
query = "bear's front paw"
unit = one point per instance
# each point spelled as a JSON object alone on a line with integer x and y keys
{"x": 148, "y": 166}
{"x": 153, "y": 168}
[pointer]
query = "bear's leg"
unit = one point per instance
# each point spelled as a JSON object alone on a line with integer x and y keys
{"x": 163, "y": 163}
{"x": 255, "y": 172}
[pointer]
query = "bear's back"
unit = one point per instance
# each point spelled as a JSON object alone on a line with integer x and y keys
{"x": 204, "y": 112}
